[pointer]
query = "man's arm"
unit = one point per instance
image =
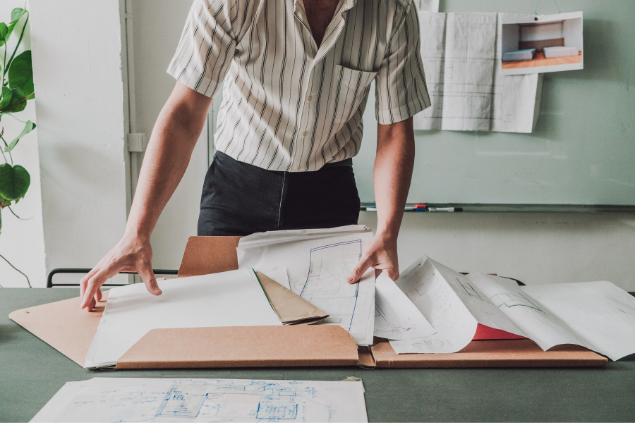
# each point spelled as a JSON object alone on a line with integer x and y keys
{"x": 391, "y": 176}
{"x": 173, "y": 139}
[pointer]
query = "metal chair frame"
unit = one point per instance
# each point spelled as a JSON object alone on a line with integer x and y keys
{"x": 49, "y": 279}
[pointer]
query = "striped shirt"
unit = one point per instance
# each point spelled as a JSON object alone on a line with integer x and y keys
{"x": 287, "y": 104}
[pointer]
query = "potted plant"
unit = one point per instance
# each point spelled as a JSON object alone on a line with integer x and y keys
{"x": 16, "y": 71}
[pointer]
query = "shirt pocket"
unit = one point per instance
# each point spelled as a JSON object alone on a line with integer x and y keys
{"x": 349, "y": 88}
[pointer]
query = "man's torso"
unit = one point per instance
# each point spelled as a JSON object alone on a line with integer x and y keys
{"x": 289, "y": 104}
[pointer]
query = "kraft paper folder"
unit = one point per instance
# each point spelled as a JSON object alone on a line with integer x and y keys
{"x": 70, "y": 330}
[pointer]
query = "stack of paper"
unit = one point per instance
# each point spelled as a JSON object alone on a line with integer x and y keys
{"x": 318, "y": 262}
{"x": 205, "y": 400}
{"x": 233, "y": 298}
{"x": 596, "y": 315}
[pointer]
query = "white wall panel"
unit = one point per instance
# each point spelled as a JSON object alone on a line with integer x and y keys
{"x": 81, "y": 128}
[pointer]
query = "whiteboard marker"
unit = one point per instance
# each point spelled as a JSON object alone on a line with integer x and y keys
{"x": 445, "y": 209}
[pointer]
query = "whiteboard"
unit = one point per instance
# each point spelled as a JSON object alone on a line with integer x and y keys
{"x": 582, "y": 151}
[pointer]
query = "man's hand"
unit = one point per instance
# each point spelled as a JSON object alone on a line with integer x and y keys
{"x": 131, "y": 254}
{"x": 381, "y": 255}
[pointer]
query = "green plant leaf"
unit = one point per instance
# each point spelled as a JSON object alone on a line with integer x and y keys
{"x": 13, "y": 101}
{"x": 4, "y": 33}
{"x": 28, "y": 127}
{"x": 21, "y": 73}
{"x": 14, "y": 181}
{"x": 16, "y": 14}
{"x": 7, "y": 96}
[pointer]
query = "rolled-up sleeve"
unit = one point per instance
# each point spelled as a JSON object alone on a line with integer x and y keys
{"x": 207, "y": 46}
{"x": 401, "y": 90}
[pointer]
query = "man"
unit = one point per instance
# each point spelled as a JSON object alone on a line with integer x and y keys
{"x": 296, "y": 79}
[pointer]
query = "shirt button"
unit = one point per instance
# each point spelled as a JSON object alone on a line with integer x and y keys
{"x": 309, "y": 98}
{"x": 299, "y": 167}
{"x": 305, "y": 133}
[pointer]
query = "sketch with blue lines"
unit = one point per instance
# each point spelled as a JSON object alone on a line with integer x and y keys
{"x": 318, "y": 262}
{"x": 326, "y": 285}
{"x": 205, "y": 400}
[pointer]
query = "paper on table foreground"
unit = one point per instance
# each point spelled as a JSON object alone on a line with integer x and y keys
{"x": 318, "y": 262}
{"x": 209, "y": 400}
{"x": 467, "y": 88}
{"x": 233, "y": 298}
{"x": 596, "y": 315}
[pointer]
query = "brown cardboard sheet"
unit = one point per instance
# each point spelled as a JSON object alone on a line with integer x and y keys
{"x": 63, "y": 325}
{"x": 497, "y": 353}
{"x": 247, "y": 346}
{"x": 291, "y": 308}
{"x": 209, "y": 254}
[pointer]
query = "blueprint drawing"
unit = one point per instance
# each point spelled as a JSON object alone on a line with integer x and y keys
{"x": 326, "y": 286}
{"x": 318, "y": 263}
{"x": 205, "y": 400}
{"x": 466, "y": 87}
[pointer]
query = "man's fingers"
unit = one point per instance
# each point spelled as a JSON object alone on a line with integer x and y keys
{"x": 88, "y": 300}
{"x": 93, "y": 285}
{"x": 85, "y": 279}
{"x": 359, "y": 270}
{"x": 98, "y": 296}
{"x": 392, "y": 273}
{"x": 146, "y": 273}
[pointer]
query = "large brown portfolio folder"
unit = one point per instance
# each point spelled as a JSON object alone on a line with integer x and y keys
{"x": 70, "y": 330}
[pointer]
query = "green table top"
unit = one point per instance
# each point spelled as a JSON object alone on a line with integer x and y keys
{"x": 31, "y": 372}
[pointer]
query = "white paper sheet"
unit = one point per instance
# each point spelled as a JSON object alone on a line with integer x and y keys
{"x": 596, "y": 315}
{"x": 441, "y": 306}
{"x": 205, "y": 400}
{"x": 467, "y": 89}
{"x": 599, "y": 312}
{"x": 396, "y": 317}
{"x": 223, "y": 299}
{"x": 318, "y": 262}
{"x": 535, "y": 321}
{"x": 279, "y": 275}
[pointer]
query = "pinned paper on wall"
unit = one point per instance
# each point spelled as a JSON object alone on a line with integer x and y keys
{"x": 539, "y": 44}
{"x": 467, "y": 88}
{"x": 427, "y": 5}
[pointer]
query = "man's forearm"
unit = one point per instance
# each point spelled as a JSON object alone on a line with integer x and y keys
{"x": 169, "y": 151}
{"x": 392, "y": 175}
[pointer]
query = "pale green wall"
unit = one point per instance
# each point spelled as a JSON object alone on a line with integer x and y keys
{"x": 583, "y": 148}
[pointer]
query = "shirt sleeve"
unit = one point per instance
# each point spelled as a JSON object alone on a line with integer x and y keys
{"x": 207, "y": 46}
{"x": 400, "y": 86}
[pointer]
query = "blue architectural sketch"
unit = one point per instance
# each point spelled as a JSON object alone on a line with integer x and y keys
{"x": 326, "y": 285}
{"x": 208, "y": 400}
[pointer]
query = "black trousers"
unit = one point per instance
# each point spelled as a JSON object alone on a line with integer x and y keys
{"x": 241, "y": 199}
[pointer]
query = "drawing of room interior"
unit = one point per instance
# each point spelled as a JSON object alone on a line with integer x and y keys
{"x": 542, "y": 43}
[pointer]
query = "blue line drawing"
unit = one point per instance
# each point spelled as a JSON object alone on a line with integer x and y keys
{"x": 269, "y": 411}
{"x": 326, "y": 286}
{"x": 214, "y": 400}
{"x": 182, "y": 402}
